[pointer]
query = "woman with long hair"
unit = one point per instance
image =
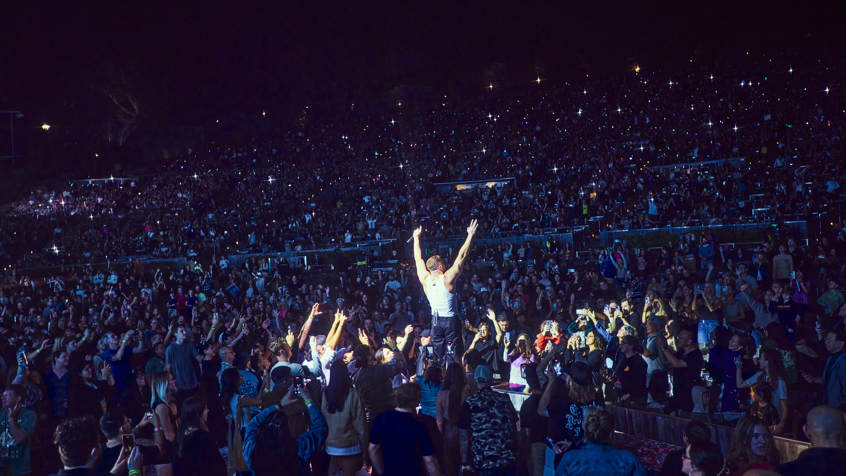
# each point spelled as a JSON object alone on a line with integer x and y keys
{"x": 521, "y": 355}
{"x": 85, "y": 391}
{"x": 752, "y": 447}
{"x": 703, "y": 458}
{"x": 772, "y": 371}
{"x": 454, "y": 391}
{"x": 196, "y": 449}
{"x": 238, "y": 407}
{"x": 776, "y": 339}
{"x": 597, "y": 456}
{"x": 163, "y": 387}
{"x": 343, "y": 409}
{"x": 135, "y": 401}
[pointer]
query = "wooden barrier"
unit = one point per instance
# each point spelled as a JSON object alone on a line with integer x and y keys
{"x": 670, "y": 429}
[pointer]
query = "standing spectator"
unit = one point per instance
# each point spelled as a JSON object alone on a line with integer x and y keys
{"x": 163, "y": 387}
{"x": 687, "y": 365}
{"x": 179, "y": 362}
{"x": 237, "y": 409}
{"x": 343, "y": 410}
{"x": 399, "y": 442}
{"x": 374, "y": 381}
{"x": 563, "y": 402}
{"x": 157, "y": 363}
{"x": 196, "y": 449}
{"x": 782, "y": 265}
{"x": 57, "y": 381}
{"x": 631, "y": 372}
{"x": 772, "y": 372}
{"x": 119, "y": 355}
{"x": 85, "y": 391}
{"x": 657, "y": 381}
{"x": 78, "y": 441}
{"x": 826, "y": 430}
{"x": 834, "y": 375}
{"x": 597, "y": 456}
{"x": 269, "y": 447}
{"x": 448, "y": 407}
{"x": 16, "y": 427}
{"x": 488, "y": 424}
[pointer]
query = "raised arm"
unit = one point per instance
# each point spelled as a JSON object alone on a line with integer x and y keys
{"x": 307, "y": 326}
{"x": 422, "y": 272}
{"x": 457, "y": 267}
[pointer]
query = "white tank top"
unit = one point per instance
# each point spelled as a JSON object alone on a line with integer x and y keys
{"x": 441, "y": 301}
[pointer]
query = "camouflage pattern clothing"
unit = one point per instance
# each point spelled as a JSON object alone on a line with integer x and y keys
{"x": 492, "y": 422}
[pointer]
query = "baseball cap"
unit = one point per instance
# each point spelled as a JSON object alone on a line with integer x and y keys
{"x": 483, "y": 374}
{"x": 578, "y": 372}
{"x": 362, "y": 351}
{"x": 426, "y": 333}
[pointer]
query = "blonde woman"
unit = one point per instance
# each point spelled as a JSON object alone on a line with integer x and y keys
{"x": 162, "y": 387}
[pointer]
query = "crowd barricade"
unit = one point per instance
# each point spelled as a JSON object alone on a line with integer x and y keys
{"x": 750, "y": 232}
{"x": 670, "y": 429}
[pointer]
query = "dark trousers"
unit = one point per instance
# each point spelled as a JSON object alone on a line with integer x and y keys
{"x": 447, "y": 331}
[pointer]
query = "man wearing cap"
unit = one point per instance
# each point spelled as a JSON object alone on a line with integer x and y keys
{"x": 488, "y": 424}
{"x": 438, "y": 283}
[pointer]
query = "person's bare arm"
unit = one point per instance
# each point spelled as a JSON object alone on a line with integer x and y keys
{"x": 164, "y": 419}
{"x": 546, "y": 397}
{"x": 739, "y": 378}
{"x": 307, "y": 326}
{"x": 375, "y": 452}
{"x": 335, "y": 332}
{"x": 464, "y": 443}
{"x": 454, "y": 271}
{"x": 431, "y": 464}
{"x": 422, "y": 272}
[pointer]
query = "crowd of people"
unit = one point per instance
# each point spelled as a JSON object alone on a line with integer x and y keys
{"x": 574, "y": 151}
{"x": 265, "y": 368}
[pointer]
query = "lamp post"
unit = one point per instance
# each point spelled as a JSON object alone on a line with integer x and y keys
{"x": 12, "y": 116}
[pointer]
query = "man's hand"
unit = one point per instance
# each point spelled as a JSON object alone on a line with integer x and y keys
{"x": 491, "y": 315}
{"x": 471, "y": 230}
{"x": 288, "y": 399}
{"x": 362, "y": 337}
{"x": 418, "y": 231}
{"x": 304, "y": 392}
{"x": 13, "y": 412}
{"x": 290, "y": 338}
{"x": 408, "y": 330}
{"x": 314, "y": 310}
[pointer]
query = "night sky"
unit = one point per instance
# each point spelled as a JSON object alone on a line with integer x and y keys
{"x": 190, "y": 63}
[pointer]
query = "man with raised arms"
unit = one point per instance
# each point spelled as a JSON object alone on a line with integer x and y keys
{"x": 438, "y": 283}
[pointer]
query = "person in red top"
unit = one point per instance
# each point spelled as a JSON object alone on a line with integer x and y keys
{"x": 181, "y": 302}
